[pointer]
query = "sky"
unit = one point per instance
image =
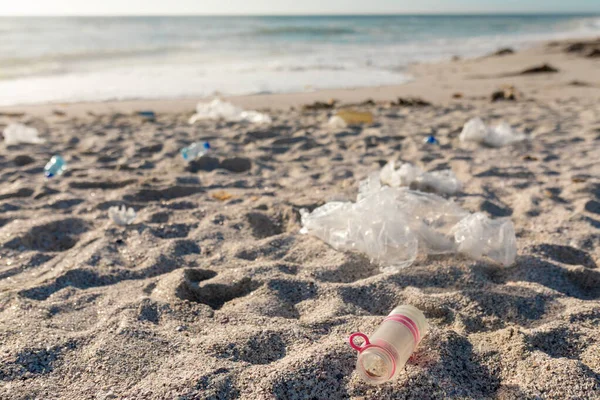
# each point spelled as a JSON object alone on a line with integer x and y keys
{"x": 265, "y": 7}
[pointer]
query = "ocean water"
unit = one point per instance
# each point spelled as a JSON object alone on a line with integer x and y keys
{"x": 85, "y": 59}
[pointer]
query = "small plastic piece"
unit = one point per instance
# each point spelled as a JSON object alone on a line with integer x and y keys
{"x": 392, "y": 225}
{"x": 383, "y": 355}
{"x": 122, "y": 215}
{"x": 497, "y": 136}
{"x": 352, "y": 117}
{"x": 431, "y": 140}
{"x": 337, "y": 122}
{"x": 19, "y": 133}
{"x": 195, "y": 151}
{"x": 409, "y": 175}
{"x": 55, "y": 167}
{"x": 147, "y": 115}
{"x": 219, "y": 109}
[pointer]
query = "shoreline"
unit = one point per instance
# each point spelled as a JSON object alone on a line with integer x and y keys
{"x": 435, "y": 82}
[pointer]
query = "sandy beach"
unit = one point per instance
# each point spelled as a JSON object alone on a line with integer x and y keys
{"x": 212, "y": 293}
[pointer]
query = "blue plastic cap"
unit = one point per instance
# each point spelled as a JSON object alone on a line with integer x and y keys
{"x": 206, "y": 145}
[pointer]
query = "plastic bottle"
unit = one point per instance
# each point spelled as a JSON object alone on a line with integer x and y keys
{"x": 385, "y": 353}
{"x": 352, "y": 117}
{"x": 56, "y": 166}
{"x": 195, "y": 150}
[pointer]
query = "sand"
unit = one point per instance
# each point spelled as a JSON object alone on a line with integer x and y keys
{"x": 212, "y": 293}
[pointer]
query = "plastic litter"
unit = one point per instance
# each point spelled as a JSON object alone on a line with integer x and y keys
{"x": 195, "y": 151}
{"x": 19, "y": 133}
{"x": 409, "y": 175}
{"x": 56, "y": 166}
{"x": 392, "y": 225}
{"x": 219, "y": 109}
{"x": 122, "y": 215}
{"x": 501, "y": 135}
{"x": 382, "y": 356}
{"x": 352, "y": 117}
{"x": 431, "y": 140}
{"x": 337, "y": 122}
{"x": 148, "y": 115}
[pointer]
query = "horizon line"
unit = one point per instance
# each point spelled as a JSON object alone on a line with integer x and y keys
{"x": 382, "y": 14}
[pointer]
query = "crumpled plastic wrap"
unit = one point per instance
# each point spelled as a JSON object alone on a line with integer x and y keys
{"x": 411, "y": 176}
{"x": 122, "y": 215}
{"x": 392, "y": 225}
{"x": 19, "y": 133}
{"x": 219, "y": 109}
{"x": 475, "y": 130}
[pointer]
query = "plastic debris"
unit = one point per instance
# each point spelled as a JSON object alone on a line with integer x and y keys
{"x": 19, "y": 133}
{"x": 352, "y": 117}
{"x": 56, "y": 166}
{"x": 391, "y": 225}
{"x": 337, "y": 122}
{"x": 195, "y": 151}
{"x": 221, "y": 195}
{"x": 411, "y": 176}
{"x": 147, "y": 115}
{"x": 431, "y": 140}
{"x": 475, "y": 130}
{"x": 122, "y": 216}
{"x": 219, "y": 109}
{"x": 383, "y": 356}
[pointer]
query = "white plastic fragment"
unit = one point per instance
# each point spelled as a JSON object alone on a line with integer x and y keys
{"x": 411, "y": 176}
{"x": 501, "y": 135}
{"x": 219, "y": 109}
{"x": 19, "y": 133}
{"x": 337, "y": 122}
{"x": 392, "y": 225}
{"x": 122, "y": 215}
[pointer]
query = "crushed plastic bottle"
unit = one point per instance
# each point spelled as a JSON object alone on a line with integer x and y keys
{"x": 122, "y": 215}
{"x": 55, "y": 167}
{"x": 391, "y": 225}
{"x": 409, "y": 175}
{"x": 475, "y": 130}
{"x": 219, "y": 109}
{"x": 382, "y": 356}
{"x": 351, "y": 117}
{"x": 195, "y": 151}
{"x": 19, "y": 133}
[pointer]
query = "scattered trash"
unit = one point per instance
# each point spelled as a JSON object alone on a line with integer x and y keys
{"x": 319, "y": 105}
{"x": 195, "y": 151}
{"x": 59, "y": 113}
{"x": 457, "y": 95}
{"x": 411, "y": 102}
{"x": 501, "y": 135}
{"x": 19, "y": 133}
{"x": 219, "y": 109}
{"x": 506, "y": 93}
{"x": 221, "y": 195}
{"x": 540, "y": 69}
{"x": 337, "y": 122}
{"x": 431, "y": 140}
{"x": 147, "y": 115}
{"x": 12, "y": 114}
{"x": 530, "y": 158}
{"x": 122, "y": 216}
{"x": 391, "y": 225}
{"x": 383, "y": 356}
{"x": 55, "y": 167}
{"x": 352, "y": 117}
{"x": 578, "y": 179}
{"x": 415, "y": 178}
{"x": 503, "y": 52}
